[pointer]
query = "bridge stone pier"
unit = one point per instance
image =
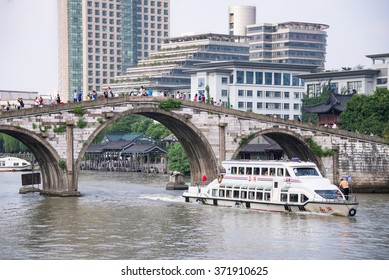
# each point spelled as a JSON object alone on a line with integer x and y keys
{"x": 59, "y": 136}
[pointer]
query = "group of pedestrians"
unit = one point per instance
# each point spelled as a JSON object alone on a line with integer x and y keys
{"x": 19, "y": 105}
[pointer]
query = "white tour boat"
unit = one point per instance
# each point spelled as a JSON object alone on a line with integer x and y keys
{"x": 281, "y": 186}
{"x": 14, "y": 164}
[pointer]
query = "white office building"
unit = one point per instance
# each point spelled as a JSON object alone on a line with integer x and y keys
{"x": 166, "y": 69}
{"x": 265, "y": 88}
{"x": 364, "y": 81}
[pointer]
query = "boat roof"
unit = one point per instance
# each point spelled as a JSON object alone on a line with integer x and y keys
{"x": 12, "y": 158}
{"x": 269, "y": 163}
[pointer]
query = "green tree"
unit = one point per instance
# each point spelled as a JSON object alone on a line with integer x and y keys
{"x": 208, "y": 100}
{"x": 157, "y": 131}
{"x": 369, "y": 114}
{"x": 178, "y": 161}
{"x": 8, "y": 144}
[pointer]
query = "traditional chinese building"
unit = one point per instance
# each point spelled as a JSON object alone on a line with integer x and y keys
{"x": 329, "y": 111}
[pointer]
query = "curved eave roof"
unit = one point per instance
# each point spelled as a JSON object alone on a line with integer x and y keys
{"x": 335, "y": 103}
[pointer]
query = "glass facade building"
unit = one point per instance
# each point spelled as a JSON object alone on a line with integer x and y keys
{"x": 100, "y": 39}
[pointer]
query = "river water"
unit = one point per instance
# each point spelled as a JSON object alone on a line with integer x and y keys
{"x": 133, "y": 216}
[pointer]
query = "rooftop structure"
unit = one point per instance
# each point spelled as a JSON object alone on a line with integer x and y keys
{"x": 239, "y": 17}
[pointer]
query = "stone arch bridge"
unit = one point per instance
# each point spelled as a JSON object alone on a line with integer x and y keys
{"x": 209, "y": 135}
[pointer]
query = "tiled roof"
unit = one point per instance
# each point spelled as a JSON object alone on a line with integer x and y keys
{"x": 334, "y": 103}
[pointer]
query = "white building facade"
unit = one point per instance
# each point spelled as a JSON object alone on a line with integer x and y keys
{"x": 289, "y": 42}
{"x": 264, "y": 88}
{"x": 166, "y": 69}
{"x": 364, "y": 81}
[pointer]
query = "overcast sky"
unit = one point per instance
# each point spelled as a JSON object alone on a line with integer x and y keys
{"x": 28, "y": 32}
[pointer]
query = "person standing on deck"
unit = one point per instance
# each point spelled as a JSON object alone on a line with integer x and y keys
{"x": 345, "y": 187}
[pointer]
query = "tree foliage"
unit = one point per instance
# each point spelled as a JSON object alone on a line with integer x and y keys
{"x": 178, "y": 161}
{"x": 135, "y": 124}
{"x": 9, "y": 144}
{"x": 368, "y": 114}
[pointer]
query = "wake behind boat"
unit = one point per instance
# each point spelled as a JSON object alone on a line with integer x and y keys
{"x": 8, "y": 164}
{"x": 281, "y": 186}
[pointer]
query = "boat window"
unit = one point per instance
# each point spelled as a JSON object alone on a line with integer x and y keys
{"x": 284, "y": 197}
{"x": 249, "y": 170}
{"x": 241, "y": 170}
{"x": 221, "y": 193}
{"x": 264, "y": 171}
{"x": 305, "y": 171}
{"x": 236, "y": 194}
{"x": 293, "y": 197}
{"x": 259, "y": 196}
{"x": 251, "y": 195}
{"x": 259, "y": 188}
{"x": 272, "y": 171}
{"x": 2, "y": 163}
{"x": 234, "y": 170}
{"x": 251, "y": 188}
{"x": 327, "y": 194}
{"x": 214, "y": 192}
{"x": 287, "y": 173}
{"x": 303, "y": 198}
{"x": 221, "y": 186}
{"x": 267, "y": 196}
{"x": 16, "y": 163}
{"x": 24, "y": 163}
{"x": 280, "y": 172}
{"x": 256, "y": 170}
{"x": 243, "y": 194}
{"x": 229, "y": 193}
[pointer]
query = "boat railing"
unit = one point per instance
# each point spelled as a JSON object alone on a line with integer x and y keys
{"x": 335, "y": 199}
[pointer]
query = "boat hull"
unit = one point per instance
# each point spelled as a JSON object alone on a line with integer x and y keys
{"x": 330, "y": 208}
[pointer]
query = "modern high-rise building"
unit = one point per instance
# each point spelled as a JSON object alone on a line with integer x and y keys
{"x": 100, "y": 39}
{"x": 167, "y": 68}
{"x": 289, "y": 42}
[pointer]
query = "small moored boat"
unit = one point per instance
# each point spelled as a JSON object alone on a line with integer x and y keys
{"x": 14, "y": 164}
{"x": 281, "y": 186}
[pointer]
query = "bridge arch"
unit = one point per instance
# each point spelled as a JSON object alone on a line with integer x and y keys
{"x": 202, "y": 159}
{"x": 54, "y": 179}
{"x": 292, "y": 144}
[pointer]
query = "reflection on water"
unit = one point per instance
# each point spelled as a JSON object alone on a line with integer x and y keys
{"x": 132, "y": 216}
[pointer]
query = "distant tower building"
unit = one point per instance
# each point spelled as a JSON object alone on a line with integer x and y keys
{"x": 100, "y": 39}
{"x": 289, "y": 42}
{"x": 239, "y": 18}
